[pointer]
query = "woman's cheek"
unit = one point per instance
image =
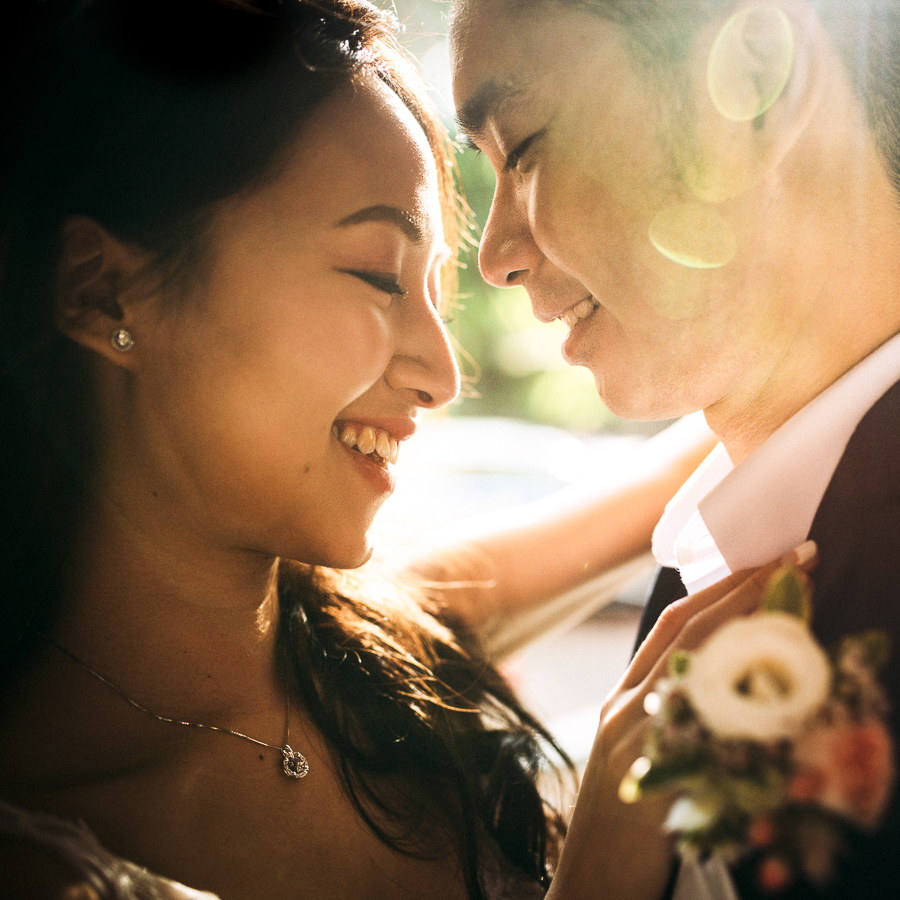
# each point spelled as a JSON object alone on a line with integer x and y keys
{"x": 365, "y": 340}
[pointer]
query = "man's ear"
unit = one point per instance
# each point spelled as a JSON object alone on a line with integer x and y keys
{"x": 95, "y": 286}
{"x": 756, "y": 76}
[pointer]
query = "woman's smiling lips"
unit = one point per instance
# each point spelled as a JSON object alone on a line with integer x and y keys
{"x": 375, "y": 444}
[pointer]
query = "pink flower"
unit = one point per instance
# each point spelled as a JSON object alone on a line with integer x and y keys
{"x": 774, "y": 874}
{"x": 847, "y": 768}
{"x": 762, "y": 832}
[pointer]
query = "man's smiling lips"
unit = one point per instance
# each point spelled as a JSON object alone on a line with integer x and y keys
{"x": 582, "y": 311}
{"x": 546, "y": 310}
{"x": 579, "y": 311}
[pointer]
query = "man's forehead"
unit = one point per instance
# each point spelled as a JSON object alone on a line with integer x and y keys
{"x": 497, "y": 63}
{"x": 501, "y": 54}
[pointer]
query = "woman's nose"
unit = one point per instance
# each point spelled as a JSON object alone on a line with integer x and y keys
{"x": 508, "y": 252}
{"x": 424, "y": 364}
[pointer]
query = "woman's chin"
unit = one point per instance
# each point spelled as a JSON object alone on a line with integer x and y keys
{"x": 354, "y": 562}
{"x": 343, "y": 557}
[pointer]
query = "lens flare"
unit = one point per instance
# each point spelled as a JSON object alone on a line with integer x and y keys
{"x": 693, "y": 235}
{"x": 750, "y": 62}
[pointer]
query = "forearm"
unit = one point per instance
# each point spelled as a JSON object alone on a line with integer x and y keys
{"x": 613, "y": 851}
{"x": 508, "y": 563}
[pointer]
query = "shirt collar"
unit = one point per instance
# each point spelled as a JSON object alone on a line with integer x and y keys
{"x": 764, "y": 507}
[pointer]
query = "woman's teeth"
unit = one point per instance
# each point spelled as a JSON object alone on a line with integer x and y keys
{"x": 581, "y": 311}
{"x": 371, "y": 442}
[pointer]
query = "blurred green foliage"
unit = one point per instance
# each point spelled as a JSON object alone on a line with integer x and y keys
{"x": 511, "y": 363}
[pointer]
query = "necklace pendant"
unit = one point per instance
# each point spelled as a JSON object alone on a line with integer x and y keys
{"x": 294, "y": 763}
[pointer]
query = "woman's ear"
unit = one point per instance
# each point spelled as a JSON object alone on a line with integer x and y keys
{"x": 95, "y": 289}
{"x": 756, "y": 77}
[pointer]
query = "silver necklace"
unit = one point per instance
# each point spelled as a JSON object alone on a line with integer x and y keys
{"x": 293, "y": 764}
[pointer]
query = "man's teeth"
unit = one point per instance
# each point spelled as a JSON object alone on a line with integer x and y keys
{"x": 368, "y": 440}
{"x": 581, "y": 311}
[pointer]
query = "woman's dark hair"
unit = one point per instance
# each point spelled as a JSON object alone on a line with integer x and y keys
{"x": 433, "y": 746}
{"x": 142, "y": 114}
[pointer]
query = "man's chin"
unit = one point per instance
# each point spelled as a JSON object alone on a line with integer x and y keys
{"x": 635, "y": 403}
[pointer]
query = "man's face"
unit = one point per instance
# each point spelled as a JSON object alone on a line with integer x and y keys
{"x": 588, "y": 147}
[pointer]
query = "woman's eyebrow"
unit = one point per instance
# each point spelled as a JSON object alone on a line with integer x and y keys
{"x": 407, "y": 223}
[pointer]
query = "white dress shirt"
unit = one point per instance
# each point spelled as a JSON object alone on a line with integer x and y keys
{"x": 727, "y": 517}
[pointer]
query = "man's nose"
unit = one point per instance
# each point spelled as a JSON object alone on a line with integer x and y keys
{"x": 508, "y": 251}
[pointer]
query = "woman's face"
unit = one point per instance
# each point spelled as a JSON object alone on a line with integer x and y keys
{"x": 313, "y": 333}
{"x": 587, "y": 148}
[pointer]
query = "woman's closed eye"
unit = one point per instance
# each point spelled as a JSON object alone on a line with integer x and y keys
{"x": 514, "y": 157}
{"x": 382, "y": 281}
{"x": 466, "y": 143}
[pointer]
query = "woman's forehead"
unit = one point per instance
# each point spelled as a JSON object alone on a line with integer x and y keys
{"x": 361, "y": 149}
{"x": 367, "y": 119}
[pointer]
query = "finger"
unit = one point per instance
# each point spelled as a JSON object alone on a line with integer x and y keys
{"x": 803, "y": 557}
{"x": 674, "y": 618}
{"x": 742, "y": 601}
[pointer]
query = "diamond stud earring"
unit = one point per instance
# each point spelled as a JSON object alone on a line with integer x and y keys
{"x": 122, "y": 340}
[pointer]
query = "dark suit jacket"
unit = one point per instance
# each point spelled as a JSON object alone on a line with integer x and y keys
{"x": 856, "y": 588}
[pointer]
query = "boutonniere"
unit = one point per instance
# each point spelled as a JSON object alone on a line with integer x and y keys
{"x": 771, "y": 745}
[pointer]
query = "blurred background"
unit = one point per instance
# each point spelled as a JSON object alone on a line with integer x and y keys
{"x": 526, "y": 425}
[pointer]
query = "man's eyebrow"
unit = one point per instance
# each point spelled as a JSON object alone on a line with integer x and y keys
{"x": 475, "y": 112}
{"x": 391, "y": 214}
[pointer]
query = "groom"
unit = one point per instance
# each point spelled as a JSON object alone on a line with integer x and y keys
{"x": 708, "y": 194}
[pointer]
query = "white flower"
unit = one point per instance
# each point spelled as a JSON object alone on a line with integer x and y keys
{"x": 759, "y": 678}
{"x": 692, "y": 814}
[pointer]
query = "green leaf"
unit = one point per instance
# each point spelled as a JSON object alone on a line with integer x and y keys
{"x": 664, "y": 776}
{"x": 788, "y": 592}
{"x": 679, "y": 663}
{"x": 875, "y": 646}
{"x": 765, "y": 791}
